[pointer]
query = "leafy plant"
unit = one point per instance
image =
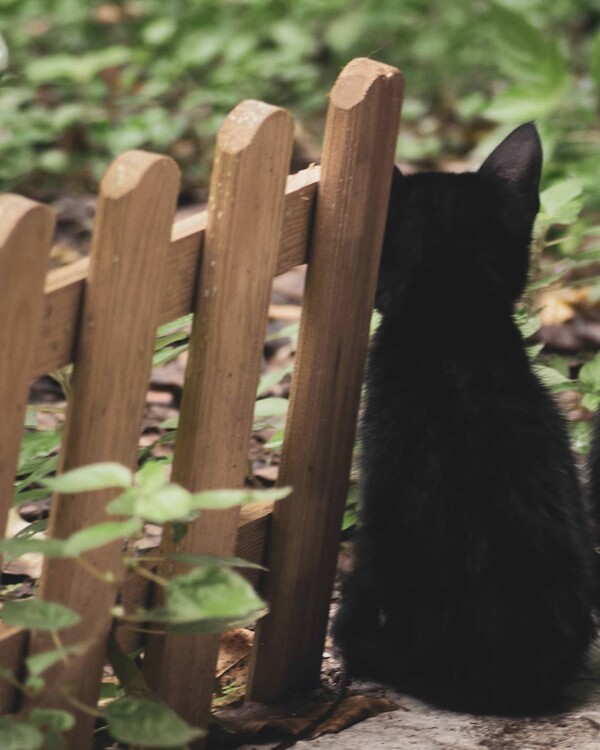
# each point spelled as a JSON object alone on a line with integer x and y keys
{"x": 209, "y": 597}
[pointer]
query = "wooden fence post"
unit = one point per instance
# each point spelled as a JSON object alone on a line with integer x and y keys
{"x": 111, "y": 372}
{"x": 245, "y": 214}
{"x": 26, "y": 230}
{"x": 358, "y": 153}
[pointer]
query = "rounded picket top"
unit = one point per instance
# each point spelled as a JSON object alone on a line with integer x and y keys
{"x": 250, "y": 119}
{"x": 139, "y": 170}
{"x": 358, "y": 79}
{"x": 24, "y": 224}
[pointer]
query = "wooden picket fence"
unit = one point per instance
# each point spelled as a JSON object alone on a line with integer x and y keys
{"x": 102, "y": 314}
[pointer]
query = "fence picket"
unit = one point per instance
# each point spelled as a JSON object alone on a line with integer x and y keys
{"x": 241, "y": 243}
{"x": 26, "y": 230}
{"x": 358, "y": 153}
{"x": 110, "y": 379}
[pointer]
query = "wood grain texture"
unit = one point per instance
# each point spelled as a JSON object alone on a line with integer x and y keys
{"x": 358, "y": 154}
{"x": 112, "y": 368}
{"x": 13, "y": 646}
{"x": 26, "y": 230}
{"x": 245, "y": 214}
{"x": 64, "y": 286}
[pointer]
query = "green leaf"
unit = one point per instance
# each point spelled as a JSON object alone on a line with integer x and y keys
{"x": 269, "y": 379}
{"x": 35, "y": 471}
{"x": 168, "y": 354}
{"x": 562, "y": 202}
{"x": 168, "y": 503}
{"x": 100, "y": 534}
{"x": 533, "y": 351}
{"x": 53, "y": 723}
{"x": 52, "y": 718}
{"x": 375, "y": 321}
{"x": 591, "y": 401}
{"x": 581, "y": 436}
{"x": 151, "y": 476}
{"x": 37, "y": 614}
{"x": 527, "y": 324}
{"x": 276, "y": 440}
{"x": 589, "y": 375}
{"x": 38, "y": 443}
{"x": 81, "y": 541}
{"x": 158, "y": 32}
{"x": 27, "y": 496}
{"x": 35, "y": 527}
{"x": 39, "y": 663}
{"x": 266, "y": 408}
{"x": 208, "y": 600}
{"x": 214, "y": 562}
{"x": 125, "y": 503}
{"x": 98, "y": 476}
{"x": 549, "y": 376}
{"x": 145, "y": 722}
{"x": 19, "y": 735}
{"x": 223, "y": 499}
{"x": 51, "y": 68}
{"x": 167, "y": 328}
{"x": 17, "y": 547}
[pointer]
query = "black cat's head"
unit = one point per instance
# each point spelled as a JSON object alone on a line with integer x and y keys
{"x": 453, "y": 237}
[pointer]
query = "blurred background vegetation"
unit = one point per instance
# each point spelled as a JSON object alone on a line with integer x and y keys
{"x": 87, "y": 80}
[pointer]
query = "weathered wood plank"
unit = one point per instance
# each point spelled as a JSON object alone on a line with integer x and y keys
{"x": 358, "y": 154}
{"x": 246, "y": 206}
{"x": 110, "y": 378}
{"x": 13, "y": 646}
{"x": 64, "y": 286}
{"x": 26, "y": 230}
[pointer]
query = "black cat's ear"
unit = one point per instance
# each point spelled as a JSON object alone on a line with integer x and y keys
{"x": 518, "y": 160}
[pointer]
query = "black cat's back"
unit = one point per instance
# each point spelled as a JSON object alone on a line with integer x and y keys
{"x": 473, "y": 581}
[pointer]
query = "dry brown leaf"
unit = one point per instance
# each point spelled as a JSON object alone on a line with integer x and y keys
{"x": 560, "y": 305}
{"x": 353, "y": 709}
{"x": 236, "y": 645}
{"x": 252, "y": 718}
{"x": 232, "y": 667}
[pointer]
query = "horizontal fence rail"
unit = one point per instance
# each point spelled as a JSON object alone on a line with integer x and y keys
{"x": 64, "y": 286}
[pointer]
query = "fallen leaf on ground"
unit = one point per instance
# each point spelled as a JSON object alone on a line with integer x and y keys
{"x": 352, "y": 710}
{"x": 560, "y": 305}
{"x": 251, "y": 718}
{"x": 232, "y": 666}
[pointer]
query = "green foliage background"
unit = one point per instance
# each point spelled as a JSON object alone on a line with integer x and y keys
{"x": 88, "y": 80}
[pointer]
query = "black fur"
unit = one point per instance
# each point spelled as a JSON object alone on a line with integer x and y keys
{"x": 473, "y": 584}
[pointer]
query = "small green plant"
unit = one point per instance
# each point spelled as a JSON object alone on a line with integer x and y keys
{"x": 208, "y": 598}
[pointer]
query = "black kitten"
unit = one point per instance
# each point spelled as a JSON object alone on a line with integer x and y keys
{"x": 473, "y": 584}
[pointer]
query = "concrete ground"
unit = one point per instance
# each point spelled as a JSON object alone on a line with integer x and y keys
{"x": 417, "y": 726}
